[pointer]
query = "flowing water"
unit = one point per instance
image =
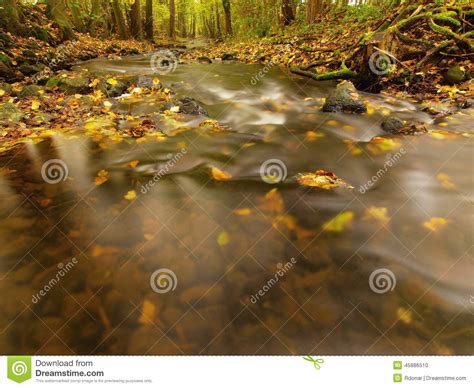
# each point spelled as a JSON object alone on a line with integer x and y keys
{"x": 248, "y": 267}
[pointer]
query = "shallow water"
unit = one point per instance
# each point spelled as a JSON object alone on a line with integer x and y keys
{"x": 223, "y": 241}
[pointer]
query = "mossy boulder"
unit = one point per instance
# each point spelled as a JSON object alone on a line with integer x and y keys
{"x": 6, "y": 72}
{"x": 455, "y": 75}
{"x": 29, "y": 69}
{"x": 9, "y": 112}
{"x": 30, "y": 91}
{"x": 345, "y": 98}
{"x": 112, "y": 88}
{"x": 7, "y": 88}
{"x": 77, "y": 85}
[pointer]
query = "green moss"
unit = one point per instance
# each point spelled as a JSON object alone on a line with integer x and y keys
{"x": 447, "y": 18}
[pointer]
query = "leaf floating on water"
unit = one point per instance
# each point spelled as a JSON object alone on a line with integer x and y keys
{"x": 339, "y": 223}
{"x": 148, "y": 314}
{"x": 435, "y": 224}
{"x": 220, "y": 175}
{"x": 223, "y": 238}
{"x": 379, "y": 145}
{"x": 273, "y": 202}
{"x": 133, "y": 163}
{"x": 244, "y": 211}
{"x": 323, "y": 179}
{"x": 377, "y": 213}
{"x": 445, "y": 180}
{"x": 102, "y": 177}
{"x": 131, "y": 195}
{"x": 313, "y": 135}
{"x": 405, "y": 315}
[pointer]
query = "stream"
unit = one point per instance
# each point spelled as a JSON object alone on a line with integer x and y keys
{"x": 247, "y": 265}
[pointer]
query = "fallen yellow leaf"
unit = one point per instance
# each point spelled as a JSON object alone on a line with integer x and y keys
{"x": 134, "y": 163}
{"x": 102, "y": 176}
{"x": 245, "y": 211}
{"x": 148, "y": 314}
{"x": 377, "y": 213}
{"x": 223, "y": 238}
{"x": 112, "y": 81}
{"x": 435, "y": 224}
{"x": 339, "y": 223}
{"x": 322, "y": 179}
{"x": 131, "y": 195}
{"x": 445, "y": 180}
{"x": 220, "y": 175}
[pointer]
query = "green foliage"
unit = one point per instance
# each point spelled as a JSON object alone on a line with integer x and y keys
{"x": 362, "y": 13}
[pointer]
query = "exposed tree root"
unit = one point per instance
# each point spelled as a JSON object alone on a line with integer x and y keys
{"x": 405, "y": 25}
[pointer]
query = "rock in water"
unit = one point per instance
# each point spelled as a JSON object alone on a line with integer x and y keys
{"x": 344, "y": 99}
{"x": 205, "y": 60}
{"x": 455, "y": 75}
{"x": 397, "y": 126}
{"x": 228, "y": 57}
{"x": 187, "y": 105}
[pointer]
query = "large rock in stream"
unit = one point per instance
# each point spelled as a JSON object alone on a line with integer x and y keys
{"x": 186, "y": 105}
{"x": 397, "y": 126}
{"x": 345, "y": 98}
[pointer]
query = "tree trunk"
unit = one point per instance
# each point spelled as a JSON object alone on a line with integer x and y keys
{"x": 136, "y": 20}
{"x": 76, "y": 11}
{"x": 119, "y": 19}
{"x": 10, "y": 16}
{"x": 172, "y": 32}
{"x": 228, "y": 17}
{"x": 56, "y": 10}
{"x": 149, "y": 19}
{"x": 287, "y": 11}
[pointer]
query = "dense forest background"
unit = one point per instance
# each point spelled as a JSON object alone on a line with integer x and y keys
{"x": 149, "y": 19}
